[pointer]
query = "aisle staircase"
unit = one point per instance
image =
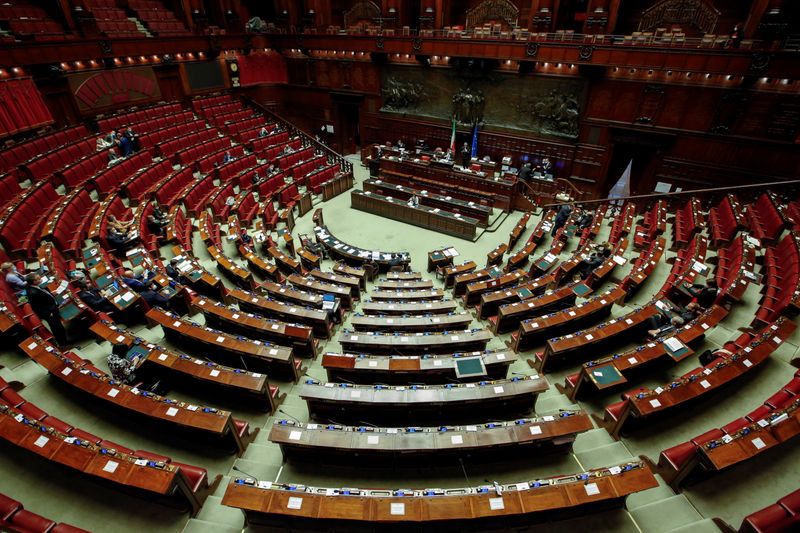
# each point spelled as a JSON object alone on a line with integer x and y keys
{"x": 141, "y": 27}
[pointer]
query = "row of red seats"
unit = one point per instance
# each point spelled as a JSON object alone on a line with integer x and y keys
{"x": 100, "y": 3}
{"x": 320, "y": 177}
{"x": 222, "y": 119}
{"x": 622, "y": 223}
{"x": 196, "y": 197}
{"x": 782, "y": 282}
{"x": 201, "y": 150}
{"x": 724, "y": 221}
{"x": 673, "y": 460}
{"x": 653, "y": 224}
{"x": 269, "y": 216}
{"x": 730, "y": 261}
{"x": 171, "y": 27}
{"x": 764, "y": 220}
{"x": 196, "y": 477}
{"x": 270, "y": 147}
{"x": 682, "y": 269}
{"x": 191, "y": 138}
{"x": 148, "y": 14}
{"x": 200, "y": 103}
{"x": 267, "y": 188}
{"x": 145, "y": 4}
{"x": 289, "y": 196}
{"x": 120, "y": 212}
{"x": 137, "y": 187}
{"x": 250, "y": 123}
{"x": 24, "y": 27}
{"x": 14, "y": 517}
{"x": 220, "y": 110}
{"x": 109, "y": 13}
{"x": 82, "y": 170}
{"x": 119, "y": 28}
{"x": 171, "y": 190}
{"x": 111, "y": 178}
{"x": 252, "y": 134}
{"x": 155, "y": 139}
{"x": 11, "y": 12}
{"x": 23, "y": 152}
{"x": 9, "y": 189}
{"x": 781, "y": 516}
{"x": 230, "y": 170}
{"x": 289, "y": 160}
{"x": 49, "y": 163}
{"x": 182, "y": 229}
{"x": 210, "y": 155}
{"x": 688, "y": 221}
{"x": 21, "y": 224}
{"x": 247, "y": 208}
{"x": 163, "y": 114}
{"x": 218, "y": 201}
{"x": 304, "y": 168}
{"x": 246, "y": 178}
{"x": 69, "y": 230}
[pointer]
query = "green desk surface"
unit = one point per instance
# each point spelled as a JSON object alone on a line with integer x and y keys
{"x": 437, "y": 256}
{"x": 69, "y": 311}
{"x": 544, "y": 264}
{"x": 605, "y": 375}
{"x": 137, "y": 350}
{"x": 679, "y": 354}
{"x": 194, "y": 275}
{"x": 88, "y": 253}
{"x": 91, "y": 262}
{"x": 495, "y": 272}
{"x": 524, "y": 294}
{"x": 103, "y": 281}
{"x": 470, "y": 366}
{"x": 136, "y": 259}
{"x": 581, "y": 288}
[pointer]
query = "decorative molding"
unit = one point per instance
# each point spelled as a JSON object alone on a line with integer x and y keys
{"x": 416, "y": 44}
{"x": 585, "y": 52}
{"x": 361, "y": 11}
{"x": 379, "y": 42}
{"x": 531, "y": 49}
{"x": 105, "y": 47}
{"x": 760, "y": 61}
{"x": 698, "y": 13}
{"x": 492, "y": 10}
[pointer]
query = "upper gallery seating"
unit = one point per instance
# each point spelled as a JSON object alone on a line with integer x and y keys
{"x": 28, "y": 21}
{"x": 158, "y": 19}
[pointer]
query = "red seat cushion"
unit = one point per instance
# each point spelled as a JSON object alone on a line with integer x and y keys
{"x": 736, "y": 425}
{"x": 241, "y": 427}
{"x": 12, "y": 398}
{"x": 8, "y": 506}
{"x": 759, "y": 413}
{"x": 32, "y": 411}
{"x": 29, "y": 521}
{"x": 196, "y": 476}
{"x": 84, "y": 435}
{"x": 113, "y": 445}
{"x": 791, "y": 502}
{"x": 615, "y": 409}
{"x": 57, "y": 424}
{"x": 767, "y": 518}
{"x": 780, "y": 399}
{"x": 708, "y": 436}
{"x": 66, "y": 528}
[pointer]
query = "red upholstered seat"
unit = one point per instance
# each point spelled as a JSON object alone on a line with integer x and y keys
{"x": 791, "y": 502}
{"x": 28, "y": 521}
{"x": 12, "y": 398}
{"x": 241, "y": 427}
{"x": 759, "y": 413}
{"x": 615, "y": 409}
{"x": 57, "y": 424}
{"x": 32, "y": 411}
{"x": 769, "y": 519}
{"x": 66, "y": 528}
{"x": 708, "y": 436}
{"x": 780, "y": 399}
{"x": 85, "y": 435}
{"x": 113, "y": 445}
{"x": 572, "y": 379}
{"x": 793, "y": 386}
{"x": 736, "y": 425}
{"x": 8, "y": 507}
{"x": 196, "y": 476}
{"x": 678, "y": 455}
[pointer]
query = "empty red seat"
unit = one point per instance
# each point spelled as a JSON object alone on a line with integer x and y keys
{"x": 8, "y": 507}
{"x": 27, "y": 521}
{"x": 57, "y": 424}
{"x": 32, "y": 411}
{"x": 85, "y": 435}
{"x": 196, "y": 476}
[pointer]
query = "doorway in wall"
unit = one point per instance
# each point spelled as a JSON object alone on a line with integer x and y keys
{"x": 346, "y": 120}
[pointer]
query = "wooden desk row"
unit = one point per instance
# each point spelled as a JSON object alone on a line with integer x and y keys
{"x": 403, "y": 405}
{"x": 425, "y": 217}
{"x": 518, "y": 230}
{"x": 495, "y": 257}
{"x": 335, "y": 278}
{"x": 253, "y": 326}
{"x": 359, "y": 273}
{"x": 354, "y": 255}
{"x": 238, "y": 275}
{"x": 371, "y": 446}
{"x": 196, "y": 373}
{"x": 408, "y": 343}
{"x": 404, "y": 369}
{"x": 536, "y": 330}
{"x": 472, "y": 296}
{"x": 441, "y": 258}
{"x": 449, "y": 273}
{"x": 402, "y": 276}
{"x": 410, "y": 323}
{"x": 525, "y": 306}
{"x": 462, "y": 280}
{"x": 292, "y": 506}
{"x": 479, "y": 212}
{"x": 312, "y": 284}
{"x": 607, "y": 372}
{"x": 648, "y": 404}
{"x": 406, "y": 295}
{"x": 229, "y": 349}
{"x": 615, "y": 331}
{"x": 285, "y": 263}
{"x": 336, "y": 186}
{"x": 151, "y": 479}
{"x": 320, "y": 321}
{"x": 402, "y": 307}
{"x": 390, "y": 285}
{"x": 193, "y": 274}
{"x": 258, "y": 263}
{"x": 644, "y": 265}
{"x": 196, "y": 421}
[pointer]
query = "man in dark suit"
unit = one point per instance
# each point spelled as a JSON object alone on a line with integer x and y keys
{"x": 561, "y": 218}
{"x": 44, "y": 305}
{"x": 146, "y": 289}
{"x": 92, "y": 298}
{"x": 704, "y": 296}
{"x": 524, "y": 173}
{"x": 466, "y": 156}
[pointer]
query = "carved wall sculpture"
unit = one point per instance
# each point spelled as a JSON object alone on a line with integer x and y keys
{"x": 697, "y": 13}
{"x": 492, "y": 11}
{"x": 361, "y": 12}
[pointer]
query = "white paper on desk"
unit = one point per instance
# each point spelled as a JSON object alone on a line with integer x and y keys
{"x": 172, "y": 411}
{"x": 128, "y": 296}
{"x": 295, "y": 435}
{"x": 655, "y": 403}
{"x": 499, "y": 390}
{"x": 41, "y": 441}
{"x": 273, "y": 351}
{"x": 355, "y": 394}
{"x": 294, "y": 503}
{"x": 397, "y": 509}
{"x": 162, "y": 357}
{"x": 373, "y": 439}
{"x": 372, "y": 363}
{"x": 758, "y": 443}
{"x": 220, "y": 339}
{"x": 496, "y": 504}
{"x": 747, "y": 363}
{"x": 113, "y": 393}
{"x": 632, "y": 360}
{"x": 111, "y": 467}
{"x": 591, "y": 489}
{"x": 536, "y": 430}
{"x": 589, "y": 337}
{"x": 176, "y": 324}
{"x": 66, "y": 371}
{"x": 456, "y": 439}
{"x": 140, "y": 462}
{"x": 615, "y": 470}
{"x": 214, "y": 373}
{"x": 673, "y": 344}
{"x": 620, "y": 260}
{"x": 437, "y": 362}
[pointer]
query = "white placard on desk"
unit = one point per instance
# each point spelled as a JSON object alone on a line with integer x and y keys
{"x": 113, "y": 393}
{"x": 373, "y": 439}
{"x": 176, "y": 324}
{"x": 372, "y": 363}
{"x": 111, "y": 467}
{"x": 273, "y": 351}
{"x": 496, "y": 504}
{"x": 536, "y": 430}
{"x": 214, "y": 373}
{"x": 589, "y": 336}
{"x": 747, "y": 363}
{"x": 294, "y": 503}
{"x": 41, "y": 441}
{"x": 501, "y": 357}
{"x": 162, "y": 357}
{"x": 499, "y": 389}
{"x": 591, "y": 489}
{"x": 66, "y": 371}
{"x": 355, "y": 394}
{"x": 172, "y": 411}
{"x": 397, "y": 509}
{"x": 437, "y": 362}
{"x": 220, "y": 339}
{"x": 295, "y": 435}
{"x": 454, "y": 338}
{"x": 705, "y": 384}
{"x": 456, "y": 439}
{"x": 758, "y": 443}
{"x": 632, "y": 360}
{"x": 655, "y": 403}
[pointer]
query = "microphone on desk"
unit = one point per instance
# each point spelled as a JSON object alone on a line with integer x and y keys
{"x": 464, "y": 470}
{"x": 346, "y": 381}
{"x": 236, "y": 468}
{"x": 281, "y": 411}
{"x": 497, "y": 488}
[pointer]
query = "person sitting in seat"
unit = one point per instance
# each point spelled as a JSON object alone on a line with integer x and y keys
{"x": 122, "y": 226}
{"x": 262, "y": 132}
{"x": 45, "y": 306}
{"x": 413, "y": 201}
{"x": 256, "y": 178}
{"x": 663, "y": 322}
{"x": 704, "y": 296}
{"x": 172, "y": 270}
{"x": 146, "y": 289}
{"x": 13, "y": 277}
{"x": 585, "y": 220}
{"x": 122, "y": 369}
{"x": 561, "y": 218}
{"x": 93, "y": 299}
{"x": 227, "y": 158}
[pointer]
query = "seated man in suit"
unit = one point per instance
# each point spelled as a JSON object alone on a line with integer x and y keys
{"x": 45, "y": 306}
{"x": 146, "y": 289}
{"x": 172, "y": 270}
{"x": 704, "y": 296}
{"x": 665, "y": 322}
{"x": 93, "y": 299}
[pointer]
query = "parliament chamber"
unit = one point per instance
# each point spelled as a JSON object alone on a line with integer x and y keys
{"x": 401, "y": 265}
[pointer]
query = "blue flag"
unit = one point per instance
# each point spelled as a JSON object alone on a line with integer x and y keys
{"x": 475, "y": 141}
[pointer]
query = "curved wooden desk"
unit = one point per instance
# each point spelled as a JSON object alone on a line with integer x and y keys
{"x": 403, "y": 343}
